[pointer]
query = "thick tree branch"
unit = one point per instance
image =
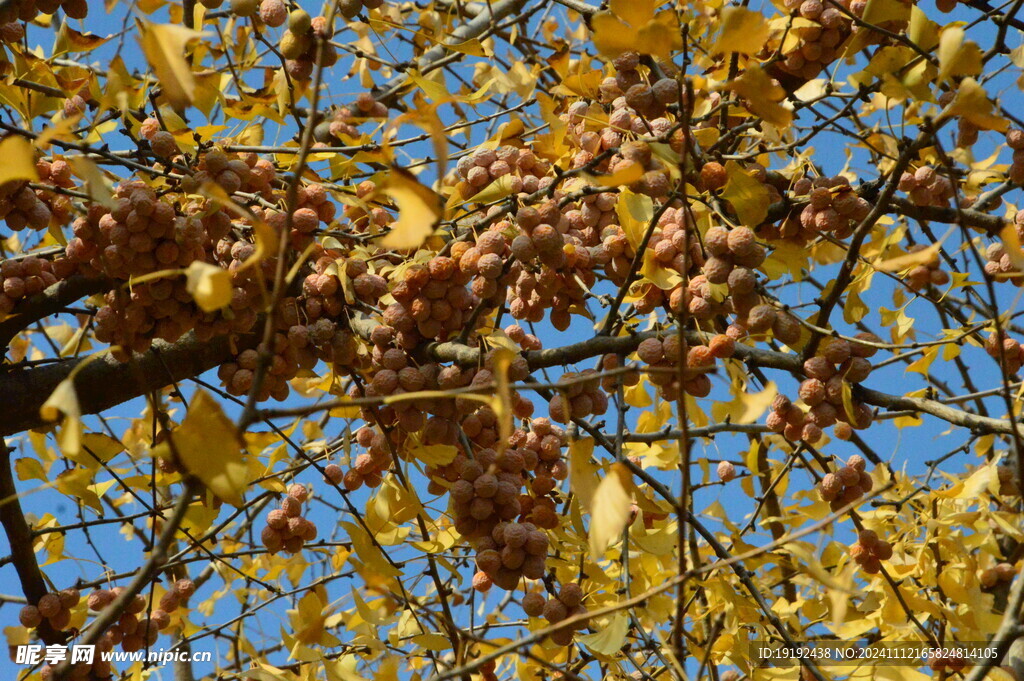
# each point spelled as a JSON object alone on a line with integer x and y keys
{"x": 105, "y": 382}
{"x": 19, "y": 536}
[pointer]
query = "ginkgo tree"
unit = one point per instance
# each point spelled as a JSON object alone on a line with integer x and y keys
{"x": 534, "y": 339}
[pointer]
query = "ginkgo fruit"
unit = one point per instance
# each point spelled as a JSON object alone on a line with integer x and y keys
{"x": 726, "y": 471}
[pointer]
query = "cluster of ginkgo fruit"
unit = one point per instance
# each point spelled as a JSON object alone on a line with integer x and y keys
{"x": 568, "y": 603}
{"x": 25, "y": 277}
{"x": 24, "y": 207}
{"x": 511, "y": 552}
{"x": 580, "y": 397}
{"x": 369, "y": 467}
{"x": 553, "y": 268}
{"x": 475, "y": 171}
{"x": 820, "y": 42}
{"x": 869, "y": 551}
{"x": 305, "y": 44}
{"x": 927, "y": 187}
{"x": 1015, "y": 140}
{"x": 131, "y": 633}
{"x": 927, "y": 273}
{"x": 826, "y": 392}
{"x": 431, "y": 300}
{"x": 286, "y": 529}
{"x": 54, "y": 607}
{"x": 832, "y": 206}
{"x": 1006, "y": 350}
{"x": 648, "y": 99}
{"x": 13, "y": 15}
{"x": 998, "y": 263}
{"x": 848, "y": 484}
{"x": 665, "y": 356}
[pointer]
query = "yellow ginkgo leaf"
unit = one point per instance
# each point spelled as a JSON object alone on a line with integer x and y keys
{"x": 956, "y": 57}
{"x": 1011, "y": 244}
{"x": 582, "y": 473}
{"x": 164, "y": 47}
{"x": 748, "y": 197}
{"x": 762, "y": 96}
{"x": 635, "y": 211}
{"x": 418, "y": 211}
{"x": 973, "y": 104}
{"x": 95, "y": 184}
{"x": 435, "y": 455}
{"x": 207, "y": 445}
{"x": 633, "y": 25}
{"x": 902, "y": 262}
{"x": 627, "y": 174}
{"x": 611, "y": 36}
{"x": 743, "y": 30}
{"x": 609, "y": 510}
{"x": 495, "y": 191}
{"x": 609, "y": 639}
{"x": 19, "y": 160}
{"x": 97, "y": 449}
{"x": 633, "y": 12}
{"x": 64, "y": 400}
{"x": 501, "y": 403}
{"x": 209, "y": 285}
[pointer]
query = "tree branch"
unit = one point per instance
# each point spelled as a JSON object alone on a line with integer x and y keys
{"x": 105, "y": 382}
{"x": 19, "y": 536}
{"x": 487, "y": 19}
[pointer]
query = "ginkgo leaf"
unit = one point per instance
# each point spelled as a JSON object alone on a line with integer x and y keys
{"x": 1011, "y": 244}
{"x": 368, "y": 552}
{"x": 633, "y": 25}
{"x": 902, "y": 262}
{"x": 609, "y": 639}
{"x": 633, "y": 12}
{"x": 956, "y": 57}
{"x": 743, "y": 30}
{"x": 501, "y": 404}
{"x": 762, "y": 96}
{"x": 630, "y": 173}
{"x": 495, "y": 191}
{"x": 609, "y": 510}
{"x": 19, "y": 162}
{"x": 973, "y": 104}
{"x": 97, "y": 449}
{"x": 756, "y": 403}
{"x": 64, "y": 400}
{"x": 343, "y": 669}
{"x": 748, "y": 197}
{"x": 95, "y": 184}
{"x": 881, "y": 11}
{"x": 209, "y": 285}
{"x": 611, "y": 36}
{"x": 164, "y": 47}
{"x": 635, "y": 212}
{"x": 309, "y": 619}
{"x": 207, "y": 445}
{"x": 922, "y": 31}
{"x": 435, "y": 455}
{"x": 419, "y": 209}
{"x": 582, "y": 473}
